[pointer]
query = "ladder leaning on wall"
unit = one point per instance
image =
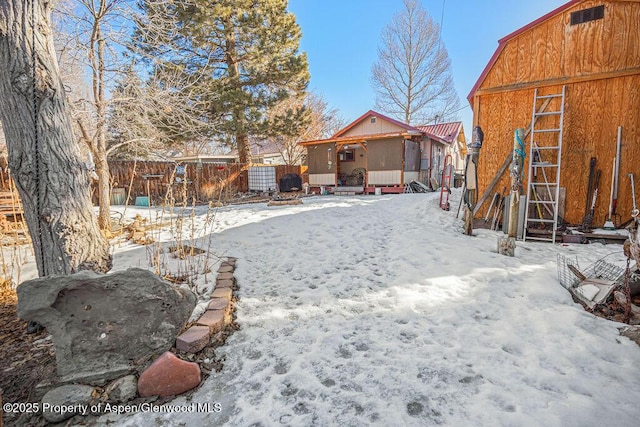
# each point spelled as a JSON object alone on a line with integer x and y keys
{"x": 545, "y": 159}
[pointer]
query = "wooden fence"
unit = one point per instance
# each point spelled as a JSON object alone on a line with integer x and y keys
{"x": 168, "y": 180}
{"x": 160, "y": 180}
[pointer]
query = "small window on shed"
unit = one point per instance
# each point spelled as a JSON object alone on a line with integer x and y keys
{"x": 586, "y": 15}
{"x": 373, "y": 119}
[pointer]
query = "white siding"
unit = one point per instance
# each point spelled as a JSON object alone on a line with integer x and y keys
{"x": 322, "y": 179}
{"x": 384, "y": 177}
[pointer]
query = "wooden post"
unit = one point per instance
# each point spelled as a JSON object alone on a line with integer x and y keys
{"x": 507, "y": 245}
{"x": 516, "y": 174}
{"x": 471, "y": 188}
{"x": 471, "y": 184}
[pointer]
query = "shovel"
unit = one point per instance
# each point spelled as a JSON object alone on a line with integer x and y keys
{"x": 608, "y": 225}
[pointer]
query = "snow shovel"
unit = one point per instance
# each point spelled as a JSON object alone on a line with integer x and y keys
{"x": 608, "y": 224}
{"x": 634, "y": 212}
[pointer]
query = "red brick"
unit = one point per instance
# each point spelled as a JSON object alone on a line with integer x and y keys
{"x": 218, "y": 304}
{"x": 224, "y": 283}
{"x": 222, "y": 276}
{"x": 214, "y": 319}
{"x": 193, "y": 339}
{"x": 222, "y": 293}
{"x": 225, "y": 268}
{"x": 168, "y": 376}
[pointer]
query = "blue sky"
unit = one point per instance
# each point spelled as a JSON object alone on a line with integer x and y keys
{"x": 341, "y": 38}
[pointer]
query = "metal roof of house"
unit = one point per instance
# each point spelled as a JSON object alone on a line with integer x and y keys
{"x": 443, "y": 132}
{"x": 447, "y": 133}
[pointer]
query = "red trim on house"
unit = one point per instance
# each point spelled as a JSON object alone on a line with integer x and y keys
{"x": 376, "y": 114}
{"x": 502, "y": 42}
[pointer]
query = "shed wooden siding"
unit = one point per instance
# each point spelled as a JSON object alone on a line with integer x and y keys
{"x": 599, "y": 62}
{"x": 385, "y": 154}
{"x": 318, "y": 158}
{"x": 554, "y": 49}
{"x": 411, "y": 156}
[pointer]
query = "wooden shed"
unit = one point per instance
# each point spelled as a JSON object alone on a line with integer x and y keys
{"x": 590, "y": 51}
{"x": 378, "y": 152}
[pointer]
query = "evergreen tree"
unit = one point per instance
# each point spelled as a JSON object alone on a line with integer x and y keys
{"x": 238, "y": 58}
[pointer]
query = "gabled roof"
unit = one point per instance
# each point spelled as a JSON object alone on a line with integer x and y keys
{"x": 407, "y": 131}
{"x": 443, "y": 132}
{"x": 372, "y": 113}
{"x": 503, "y": 41}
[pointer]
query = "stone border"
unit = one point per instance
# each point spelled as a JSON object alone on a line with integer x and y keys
{"x": 217, "y": 316}
{"x": 168, "y": 376}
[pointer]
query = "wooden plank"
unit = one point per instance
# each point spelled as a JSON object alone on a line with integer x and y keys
{"x": 525, "y": 60}
{"x": 597, "y": 42}
{"x": 632, "y": 11}
{"x": 613, "y": 39}
{"x": 554, "y": 49}
{"x": 571, "y": 47}
{"x": 630, "y": 153}
{"x": 495, "y": 76}
{"x": 560, "y": 81}
{"x": 506, "y": 163}
{"x": 510, "y": 63}
{"x": 476, "y": 111}
{"x": 539, "y": 52}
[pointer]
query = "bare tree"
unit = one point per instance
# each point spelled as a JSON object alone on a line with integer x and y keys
{"x": 50, "y": 174}
{"x": 412, "y": 76}
{"x": 321, "y": 122}
{"x": 94, "y": 30}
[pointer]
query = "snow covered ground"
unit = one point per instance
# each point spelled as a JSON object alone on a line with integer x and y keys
{"x": 377, "y": 310}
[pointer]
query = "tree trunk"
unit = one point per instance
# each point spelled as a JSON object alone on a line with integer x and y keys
{"x": 97, "y": 55}
{"x": 231, "y": 58}
{"x": 45, "y": 159}
{"x": 104, "y": 190}
{"x": 244, "y": 153}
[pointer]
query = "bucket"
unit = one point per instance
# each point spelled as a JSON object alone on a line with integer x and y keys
{"x": 378, "y": 191}
{"x": 142, "y": 201}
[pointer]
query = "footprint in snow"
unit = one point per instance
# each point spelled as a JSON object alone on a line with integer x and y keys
{"x": 414, "y": 408}
{"x": 281, "y": 368}
{"x": 328, "y": 382}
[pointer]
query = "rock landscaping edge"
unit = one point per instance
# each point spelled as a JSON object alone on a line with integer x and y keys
{"x": 180, "y": 370}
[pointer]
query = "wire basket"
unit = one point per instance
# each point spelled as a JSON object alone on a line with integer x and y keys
{"x": 565, "y": 276}
{"x": 605, "y": 270}
{"x": 598, "y": 270}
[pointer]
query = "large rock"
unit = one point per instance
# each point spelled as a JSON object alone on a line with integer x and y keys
{"x": 101, "y": 324}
